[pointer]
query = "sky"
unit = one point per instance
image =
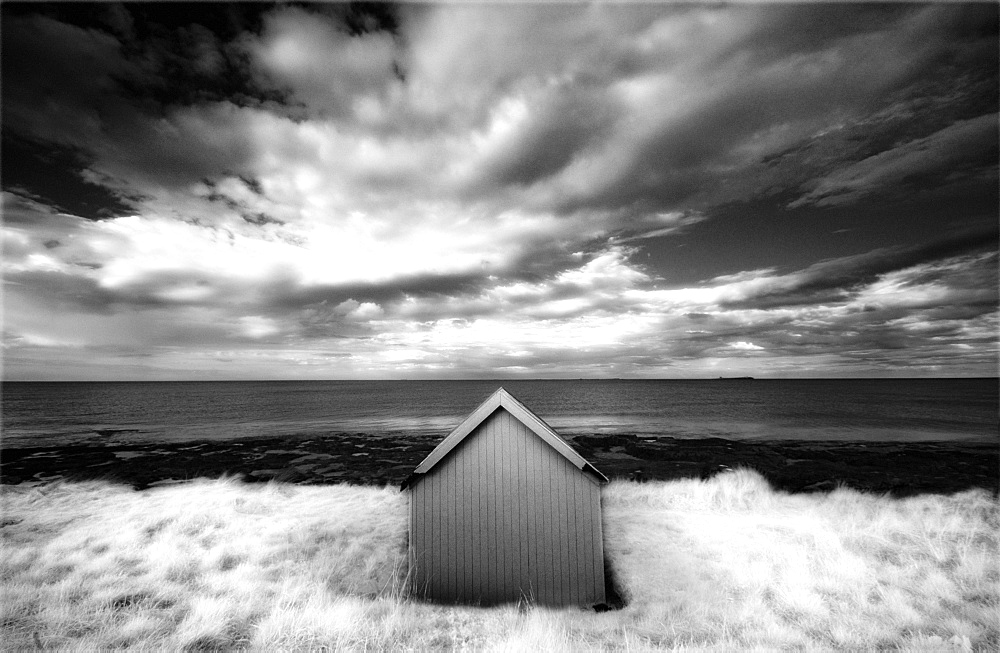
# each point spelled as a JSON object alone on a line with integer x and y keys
{"x": 384, "y": 191}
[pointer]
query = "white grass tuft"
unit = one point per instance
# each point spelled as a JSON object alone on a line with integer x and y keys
{"x": 721, "y": 564}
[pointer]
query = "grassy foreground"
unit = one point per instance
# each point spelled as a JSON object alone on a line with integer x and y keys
{"x": 721, "y": 564}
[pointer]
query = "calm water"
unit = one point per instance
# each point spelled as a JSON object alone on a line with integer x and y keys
{"x": 883, "y": 409}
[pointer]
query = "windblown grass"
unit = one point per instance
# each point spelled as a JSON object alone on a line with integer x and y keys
{"x": 721, "y": 564}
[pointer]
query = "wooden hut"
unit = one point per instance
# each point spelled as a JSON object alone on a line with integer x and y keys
{"x": 503, "y": 509}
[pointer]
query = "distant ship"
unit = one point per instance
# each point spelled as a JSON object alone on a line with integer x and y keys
{"x": 736, "y": 378}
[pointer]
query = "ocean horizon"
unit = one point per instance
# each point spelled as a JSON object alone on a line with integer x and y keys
{"x": 54, "y": 413}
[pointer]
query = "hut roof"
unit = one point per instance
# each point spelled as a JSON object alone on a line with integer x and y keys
{"x": 503, "y": 399}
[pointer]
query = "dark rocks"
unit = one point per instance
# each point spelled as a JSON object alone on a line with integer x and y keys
{"x": 339, "y": 458}
{"x": 901, "y": 469}
{"x": 822, "y": 486}
{"x": 387, "y": 459}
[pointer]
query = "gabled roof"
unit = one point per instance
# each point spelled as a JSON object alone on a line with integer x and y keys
{"x": 503, "y": 399}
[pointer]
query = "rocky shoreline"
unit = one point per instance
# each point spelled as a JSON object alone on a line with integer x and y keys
{"x": 901, "y": 469}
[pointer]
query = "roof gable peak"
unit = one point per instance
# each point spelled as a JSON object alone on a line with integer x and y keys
{"x": 503, "y": 399}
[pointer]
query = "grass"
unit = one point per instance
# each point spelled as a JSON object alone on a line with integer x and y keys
{"x": 721, "y": 564}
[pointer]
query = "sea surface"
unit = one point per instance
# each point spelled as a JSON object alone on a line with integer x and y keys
{"x": 54, "y": 414}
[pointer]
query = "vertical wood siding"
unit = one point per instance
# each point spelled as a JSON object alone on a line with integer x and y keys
{"x": 504, "y": 516}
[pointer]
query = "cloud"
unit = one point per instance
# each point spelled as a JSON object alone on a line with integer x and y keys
{"x": 346, "y": 192}
{"x": 836, "y": 279}
{"x": 745, "y": 346}
{"x": 603, "y": 316}
{"x": 601, "y": 115}
{"x": 963, "y": 147}
{"x": 658, "y": 224}
{"x": 731, "y": 100}
{"x": 62, "y": 87}
{"x": 537, "y": 137}
{"x": 333, "y": 72}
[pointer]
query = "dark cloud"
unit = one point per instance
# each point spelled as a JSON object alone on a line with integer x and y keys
{"x": 238, "y": 205}
{"x": 53, "y": 171}
{"x": 290, "y": 294}
{"x": 834, "y": 280}
{"x": 21, "y": 208}
{"x": 361, "y": 18}
{"x": 759, "y": 96}
{"x": 64, "y": 291}
{"x": 85, "y": 117}
{"x": 914, "y": 333}
{"x": 57, "y": 79}
{"x": 560, "y": 129}
{"x": 964, "y": 149}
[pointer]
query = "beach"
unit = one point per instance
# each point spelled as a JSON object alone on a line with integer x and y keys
{"x": 123, "y": 535}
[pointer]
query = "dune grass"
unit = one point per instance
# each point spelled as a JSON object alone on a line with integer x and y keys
{"x": 721, "y": 564}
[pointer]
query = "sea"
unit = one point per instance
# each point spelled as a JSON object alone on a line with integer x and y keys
{"x": 867, "y": 410}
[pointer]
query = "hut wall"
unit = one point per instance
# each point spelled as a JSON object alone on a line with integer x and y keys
{"x": 505, "y": 516}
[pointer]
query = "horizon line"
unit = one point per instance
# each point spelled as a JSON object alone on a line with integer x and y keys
{"x": 515, "y": 379}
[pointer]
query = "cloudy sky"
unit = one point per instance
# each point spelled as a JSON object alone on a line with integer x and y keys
{"x": 230, "y": 191}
